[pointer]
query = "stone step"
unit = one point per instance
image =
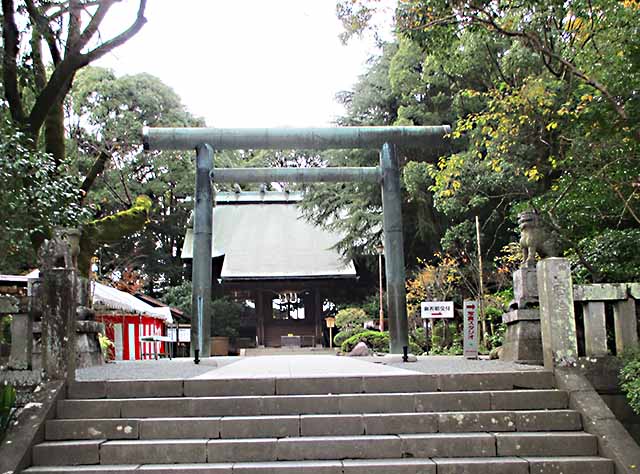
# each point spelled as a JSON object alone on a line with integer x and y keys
{"x": 505, "y": 465}
{"x": 430, "y": 445}
{"x": 543, "y": 399}
{"x": 530, "y": 379}
{"x": 311, "y": 425}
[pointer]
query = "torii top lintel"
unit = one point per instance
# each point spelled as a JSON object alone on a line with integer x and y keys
{"x": 290, "y": 138}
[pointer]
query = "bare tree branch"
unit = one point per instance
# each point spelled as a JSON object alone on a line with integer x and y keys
{"x": 42, "y": 24}
{"x": 122, "y": 38}
{"x": 91, "y": 29}
{"x": 60, "y": 81}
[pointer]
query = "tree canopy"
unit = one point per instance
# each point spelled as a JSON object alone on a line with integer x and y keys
{"x": 543, "y": 99}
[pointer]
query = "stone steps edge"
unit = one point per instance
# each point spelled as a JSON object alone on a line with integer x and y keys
{"x": 489, "y": 445}
{"x": 583, "y": 464}
{"x": 534, "y": 379}
{"x": 312, "y": 404}
{"x": 228, "y": 427}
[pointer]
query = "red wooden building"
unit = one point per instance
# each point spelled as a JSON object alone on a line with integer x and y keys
{"x": 127, "y": 319}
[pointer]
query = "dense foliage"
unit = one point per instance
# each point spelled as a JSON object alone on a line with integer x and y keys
{"x": 630, "y": 380}
{"x": 543, "y": 101}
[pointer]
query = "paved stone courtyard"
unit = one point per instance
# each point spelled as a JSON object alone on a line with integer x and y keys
{"x": 291, "y": 366}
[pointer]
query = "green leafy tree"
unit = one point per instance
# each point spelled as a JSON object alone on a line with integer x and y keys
{"x": 34, "y": 90}
{"x": 108, "y": 113}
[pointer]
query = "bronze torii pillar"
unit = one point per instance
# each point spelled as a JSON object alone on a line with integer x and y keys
{"x": 205, "y": 140}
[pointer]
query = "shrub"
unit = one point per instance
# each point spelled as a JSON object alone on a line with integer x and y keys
{"x": 630, "y": 380}
{"x": 349, "y": 318}
{"x": 377, "y": 341}
{"x": 345, "y": 334}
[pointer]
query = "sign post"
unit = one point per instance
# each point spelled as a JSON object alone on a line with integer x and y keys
{"x": 331, "y": 322}
{"x": 470, "y": 329}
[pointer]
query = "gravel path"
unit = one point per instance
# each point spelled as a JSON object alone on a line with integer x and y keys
{"x": 289, "y": 365}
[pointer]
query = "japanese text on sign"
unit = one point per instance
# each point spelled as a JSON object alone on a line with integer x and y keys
{"x": 436, "y": 309}
{"x": 470, "y": 328}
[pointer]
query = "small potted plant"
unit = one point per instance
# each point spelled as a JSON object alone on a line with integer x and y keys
{"x": 225, "y": 323}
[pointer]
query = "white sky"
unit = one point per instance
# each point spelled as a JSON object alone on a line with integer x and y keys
{"x": 249, "y": 63}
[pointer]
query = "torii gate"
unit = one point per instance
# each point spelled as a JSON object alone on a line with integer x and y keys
{"x": 206, "y": 140}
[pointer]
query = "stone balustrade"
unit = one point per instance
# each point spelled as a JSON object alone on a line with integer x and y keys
{"x": 595, "y": 301}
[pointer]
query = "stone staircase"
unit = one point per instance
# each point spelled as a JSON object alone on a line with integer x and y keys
{"x": 498, "y": 423}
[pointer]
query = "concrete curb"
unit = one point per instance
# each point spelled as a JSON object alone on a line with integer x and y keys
{"x": 28, "y": 429}
{"x": 614, "y": 441}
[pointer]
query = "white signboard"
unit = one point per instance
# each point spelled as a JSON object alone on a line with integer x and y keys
{"x": 183, "y": 333}
{"x": 436, "y": 309}
{"x": 470, "y": 314}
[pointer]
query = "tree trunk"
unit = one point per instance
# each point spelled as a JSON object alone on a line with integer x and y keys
{"x": 54, "y": 133}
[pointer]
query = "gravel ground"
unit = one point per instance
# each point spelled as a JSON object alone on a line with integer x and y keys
{"x": 182, "y": 368}
{"x": 185, "y": 368}
{"x": 458, "y": 364}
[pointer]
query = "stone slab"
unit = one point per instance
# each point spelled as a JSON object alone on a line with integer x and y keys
{"x": 529, "y": 400}
{"x": 229, "y": 387}
{"x": 260, "y": 426}
{"x": 600, "y": 292}
{"x": 241, "y": 450}
{"x": 319, "y": 385}
{"x": 453, "y": 401}
{"x": 227, "y": 406}
{"x": 525, "y": 286}
{"x": 67, "y": 453}
{"x": 219, "y": 468}
{"x": 394, "y": 423}
{"x": 291, "y": 467}
{"x": 538, "y": 379}
{"x": 521, "y": 315}
{"x": 570, "y": 465}
{"x": 386, "y": 466}
{"x": 155, "y": 407}
{"x": 546, "y": 444}
{"x": 469, "y": 422}
{"x": 401, "y": 383}
{"x": 89, "y": 409}
{"x": 545, "y": 420}
{"x": 339, "y": 447}
{"x": 144, "y": 388}
{"x": 595, "y": 328}
{"x": 299, "y": 404}
{"x": 21, "y": 342}
{"x": 121, "y": 428}
{"x": 373, "y": 402}
{"x": 84, "y": 390}
{"x": 173, "y": 451}
{"x": 331, "y": 425}
{"x": 503, "y": 465}
{"x": 119, "y": 469}
{"x": 448, "y": 445}
{"x": 472, "y": 382}
{"x": 180, "y": 428}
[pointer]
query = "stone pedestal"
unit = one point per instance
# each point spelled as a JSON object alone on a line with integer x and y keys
{"x": 87, "y": 344}
{"x": 58, "y": 291}
{"x": 525, "y": 287}
{"x": 557, "y": 316}
{"x": 522, "y": 340}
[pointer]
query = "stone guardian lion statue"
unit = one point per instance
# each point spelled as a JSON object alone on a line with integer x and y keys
{"x": 535, "y": 237}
